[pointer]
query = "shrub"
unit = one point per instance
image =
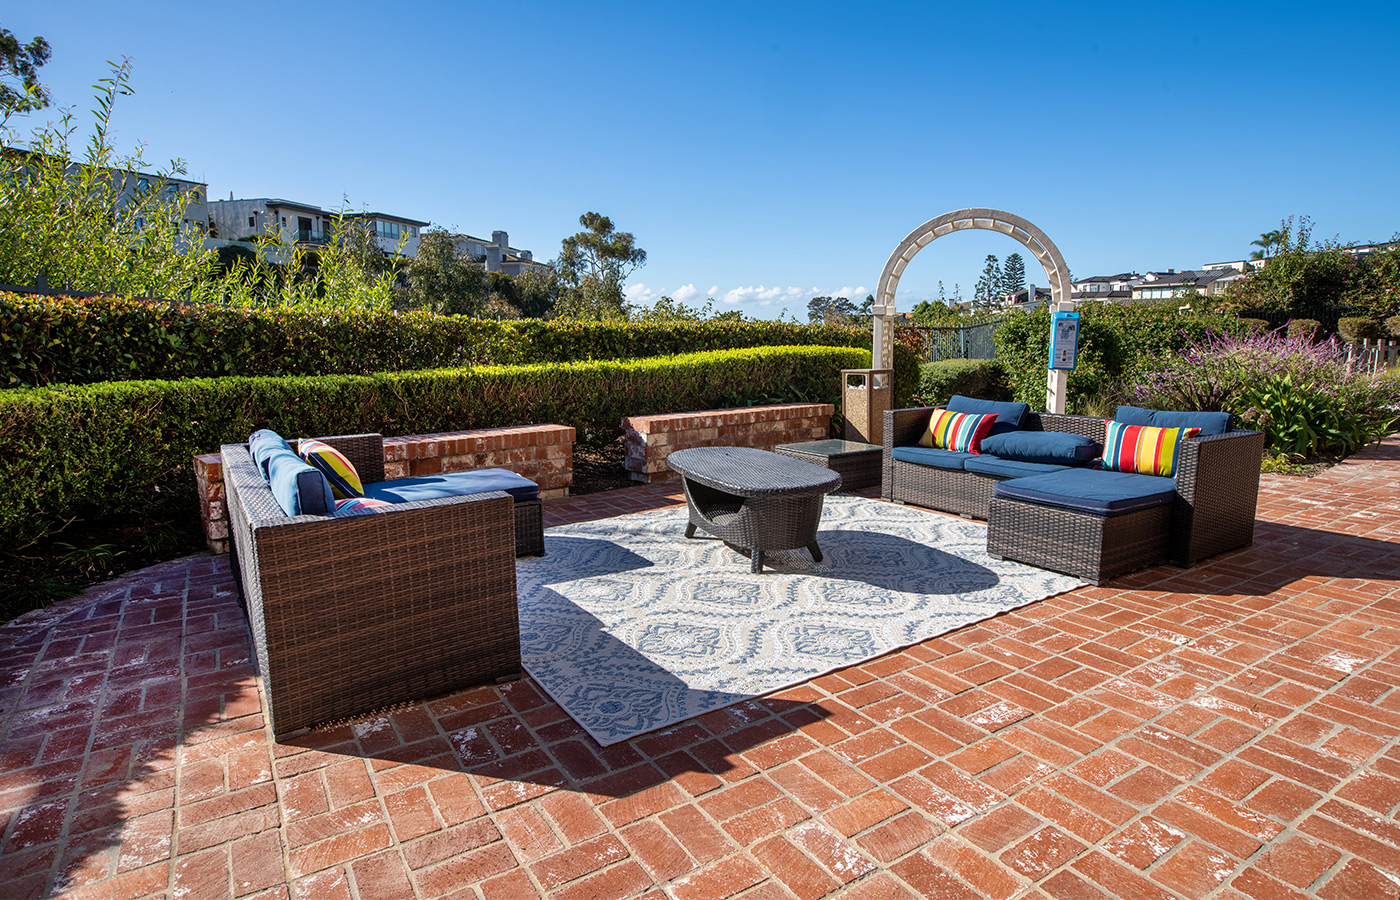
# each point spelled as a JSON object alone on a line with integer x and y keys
{"x": 50, "y": 340}
{"x": 1392, "y": 325}
{"x": 1307, "y": 328}
{"x": 1254, "y": 324}
{"x": 125, "y": 448}
{"x": 1114, "y": 340}
{"x": 981, "y": 378}
{"x": 1300, "y": 394}
{"x": 1355, "y": 329}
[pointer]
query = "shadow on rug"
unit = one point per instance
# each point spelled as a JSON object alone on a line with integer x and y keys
{"x": 631, "y": 627}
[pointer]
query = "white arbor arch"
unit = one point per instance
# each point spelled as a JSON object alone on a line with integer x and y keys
{"x": 959, "y": 220}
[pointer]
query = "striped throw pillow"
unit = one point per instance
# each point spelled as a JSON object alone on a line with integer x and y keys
{"x": 1143, "y": 449}
{"x": 354, "y": 504}
{"x": 345, "y": 481}
{"x": 957, "y": 431}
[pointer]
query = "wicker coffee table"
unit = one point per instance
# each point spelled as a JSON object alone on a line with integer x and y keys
{"x": 857, "y": 463}
{"x": 754, "y": 499}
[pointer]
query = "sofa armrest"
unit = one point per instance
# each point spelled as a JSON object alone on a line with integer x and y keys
{"x": 365, "y": 452}
{"x": 903, "y": 427}
{"x": 1217, "y": 486}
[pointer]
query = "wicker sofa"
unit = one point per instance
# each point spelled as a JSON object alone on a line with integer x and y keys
{"x": 356, "y": 612}
{"x": 1211, "y": 507}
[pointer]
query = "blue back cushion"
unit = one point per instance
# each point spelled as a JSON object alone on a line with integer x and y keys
{"x": 299, "y": 488}
{"x": 261, "y": 444}
{"x": 1010, "y": 416}
{"x": 1208, "y": 422}
{"x": 1050, "y": 447}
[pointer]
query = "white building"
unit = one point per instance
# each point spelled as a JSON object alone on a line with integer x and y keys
{"x": 497, "y": 255}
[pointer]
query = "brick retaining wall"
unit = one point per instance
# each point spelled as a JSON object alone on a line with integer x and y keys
{"x": 650, "y": 439}
{"x": 542, "y": 453}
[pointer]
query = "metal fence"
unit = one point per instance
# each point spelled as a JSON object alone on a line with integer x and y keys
{"x": 958, "y": 342}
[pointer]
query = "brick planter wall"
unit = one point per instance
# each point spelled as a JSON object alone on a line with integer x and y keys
{"x": 542, "y": 453}
{"x": 651, "y": 438}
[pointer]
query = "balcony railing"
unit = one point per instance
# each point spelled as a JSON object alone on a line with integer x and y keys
{"x": 307, "y": 236}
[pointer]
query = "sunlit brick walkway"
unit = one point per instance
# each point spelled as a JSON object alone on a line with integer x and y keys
{"x": 1225, "y": 732}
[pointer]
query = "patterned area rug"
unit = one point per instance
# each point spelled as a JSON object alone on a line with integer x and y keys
{"x": 631, "y": 627}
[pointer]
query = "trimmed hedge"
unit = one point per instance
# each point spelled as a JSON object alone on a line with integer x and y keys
{"x": 1355, "y": 329}
{"x": 1113, "y": 339}
{"x": 63, "y": 340}
{"x": 984, "y": 379}
{"x": 121, "y": 448}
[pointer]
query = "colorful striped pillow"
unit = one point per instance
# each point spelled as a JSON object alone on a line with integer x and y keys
{"x": 345, "y": 481}
{"x": 1143, "y": 449}
{"x": 957, "y": 431}
{"x": 355, "y": 504}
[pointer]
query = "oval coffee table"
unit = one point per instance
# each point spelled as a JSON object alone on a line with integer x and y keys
{"x": 754, "y": 499}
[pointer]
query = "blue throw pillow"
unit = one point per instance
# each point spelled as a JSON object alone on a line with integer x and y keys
{"x": 262, "y": 444}
{"x": 1050, "y": 447}
{"x": 1010, "y": 416}
{"x": 1208, "y": 422}
{"x": 299, "y": 488}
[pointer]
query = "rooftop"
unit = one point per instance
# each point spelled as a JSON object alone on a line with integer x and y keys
{"x": 1226, "y": 731}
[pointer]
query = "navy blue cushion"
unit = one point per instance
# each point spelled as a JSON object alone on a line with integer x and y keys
{"x": 454, "y": 484}
{"x": 263, "y": 443}
{"x": 1091, "y": 490}
{"x": 1208, "y": 422}
{"x": 1051, "y": 447}
{"x": 1008, "y": 468}
{"x": 299, "y": 488}
{"x": 929, "y": 456}
{"x": 1009, "y": 415}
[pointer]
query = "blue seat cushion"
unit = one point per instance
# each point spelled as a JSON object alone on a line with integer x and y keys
{"x": 1010, "y": 416}
{"x": 1208, "y": 422}
{"x": 930, "y": 456}
{"x": 453, "y": 484}
{"x": 1091, "y": 490}
{"x": 1051, "y": 447}
{"x": 1008, "y": 468}
{"x": 298, "y": 487}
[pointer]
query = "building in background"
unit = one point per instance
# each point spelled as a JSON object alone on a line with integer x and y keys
{"x": 1105, "y": 288}
{"x": 497, "y": 255}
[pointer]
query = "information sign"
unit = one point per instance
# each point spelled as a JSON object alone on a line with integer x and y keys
{"x": 1064, "y": 340}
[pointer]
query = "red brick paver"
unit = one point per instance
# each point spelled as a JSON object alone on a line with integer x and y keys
{"x": 1224, "y": 732}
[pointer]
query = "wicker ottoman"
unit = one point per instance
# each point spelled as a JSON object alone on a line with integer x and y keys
{"x": 858, "y": 464}
{"x": 1095, "y": 548}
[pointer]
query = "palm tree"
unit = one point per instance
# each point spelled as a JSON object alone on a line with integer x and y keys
{"x": 1266, "y": 243}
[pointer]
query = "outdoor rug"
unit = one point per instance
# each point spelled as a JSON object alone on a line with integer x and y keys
{"x": 631, "y": 627}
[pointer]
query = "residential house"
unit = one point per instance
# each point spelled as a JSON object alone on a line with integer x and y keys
{"x": 395, "y": 234}
{"x": 1105, "y": 288}
{"x": 1171, "y": 283}
{"x": 497, "y": 255}
{"x": 247, "y": 220}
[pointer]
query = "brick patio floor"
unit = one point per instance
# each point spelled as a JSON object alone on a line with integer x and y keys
{"x": 1225, "y": 732}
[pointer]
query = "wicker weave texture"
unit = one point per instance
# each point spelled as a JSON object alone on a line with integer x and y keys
{"x": 350, "y": 614}
{"x": 857, "y": 470}
{"x": 1091, "y": 547}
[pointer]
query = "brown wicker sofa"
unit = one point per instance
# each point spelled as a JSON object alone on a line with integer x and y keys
{"x": 1215, "y": 498}
{"x": 354, "y": 613}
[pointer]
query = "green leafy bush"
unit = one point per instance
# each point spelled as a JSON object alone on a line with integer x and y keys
{"x": 1303, "y": 327}
{"x": 1114, "y": 340}
{"x": 1392, "y": 326}
{"x": 125, "y": 448}
{"x": 1302, "y": 395}
{"x": 984, "y": 379}
{"x": 1355, "y": 329}
{"x": 48, "y": 340}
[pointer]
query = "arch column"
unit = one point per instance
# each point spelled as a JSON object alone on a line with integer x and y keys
{"x": 1012, "y": 226}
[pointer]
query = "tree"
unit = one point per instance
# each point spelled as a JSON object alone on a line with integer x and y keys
{"x": 441, "y": 279}
{"x": 593, "y": 266}
{"x": 988, "y": 287}
{"x": 20, "y": 90}
{"x": 1013, "y": 274}
{"x": 831, "y": 310}
{"x": 1268, "y": 242}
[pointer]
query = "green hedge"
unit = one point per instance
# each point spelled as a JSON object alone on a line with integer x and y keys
{"x": 122, "y": 448}
{"x": 61, "y": 340}
{"x": 984, "y": 379}
{"x": 1113, "y": 339}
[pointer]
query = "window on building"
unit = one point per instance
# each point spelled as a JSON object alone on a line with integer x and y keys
{"x": 284, "y": 220}
{"x": 142, "y": 185}
{"x": 252, "y": 220}
{"x": 140, "y": 222}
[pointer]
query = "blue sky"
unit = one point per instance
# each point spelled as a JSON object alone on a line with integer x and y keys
{"x": 764, "y": 153}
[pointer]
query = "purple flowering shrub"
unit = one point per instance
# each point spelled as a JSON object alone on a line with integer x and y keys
{"x": 1308, "y": 398}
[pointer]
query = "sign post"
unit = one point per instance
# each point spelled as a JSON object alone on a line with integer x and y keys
{"x": 1064, "y": 352}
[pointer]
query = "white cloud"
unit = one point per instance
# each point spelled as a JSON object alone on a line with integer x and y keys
{"x": 686, "y": 293}
{"x": 639, "y": 294}
{"x": 760, "y": 299}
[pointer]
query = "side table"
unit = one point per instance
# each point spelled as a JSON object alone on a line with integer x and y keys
{"x": 858, "y": 464}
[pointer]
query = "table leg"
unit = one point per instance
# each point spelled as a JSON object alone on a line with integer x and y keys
{"x": 690, "y": 529}
{"x": 757, "y": 565}
{"x": 816, "y": 551}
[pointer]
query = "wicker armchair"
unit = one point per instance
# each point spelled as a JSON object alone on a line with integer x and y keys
{"x": 1217, "y": 494}
{"x": 350, "y": 614}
